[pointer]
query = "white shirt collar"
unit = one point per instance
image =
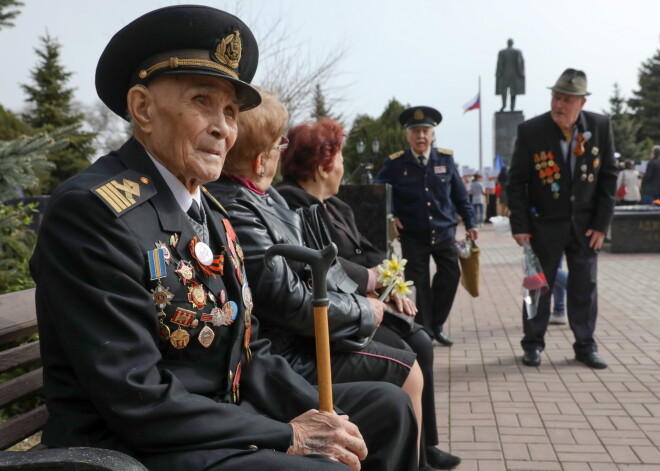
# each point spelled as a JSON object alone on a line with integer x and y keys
{"x": 427, "y": 154}
{"x": 180, "y": 192}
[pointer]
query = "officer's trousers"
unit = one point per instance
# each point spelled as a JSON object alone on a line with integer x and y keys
{"x": 434, "y": 300}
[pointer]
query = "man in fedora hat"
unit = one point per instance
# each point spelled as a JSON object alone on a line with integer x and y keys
{"x": 427, "y": 192}
{"x": 562, "y": 184}
{"x": 144, "y": 310}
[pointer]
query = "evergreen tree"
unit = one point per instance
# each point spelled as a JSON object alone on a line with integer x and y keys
{"x": 11, "y": 126}
{"x": 646, "y": 102}
{"x": 625, "y": 129}
{"x": 319, "y": 109}
{"x": 386, "y": 129}
{"x": 7, "y": 15}
{"x": 52, "y": 109}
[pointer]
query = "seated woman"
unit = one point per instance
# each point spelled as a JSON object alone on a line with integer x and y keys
{"x": 312, "y": 167}
{"x": 283, "y": 297}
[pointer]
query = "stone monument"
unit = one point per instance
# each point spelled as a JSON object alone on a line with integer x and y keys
{"x": 510, "y": 77}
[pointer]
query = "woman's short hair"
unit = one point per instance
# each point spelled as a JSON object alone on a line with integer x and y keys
{"x": 311, "y": 145}
{"x": 258, "y": 128}
{"x": 629, "y": 164}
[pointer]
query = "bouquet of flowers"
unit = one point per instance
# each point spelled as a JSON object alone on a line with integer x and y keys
{"x": 534, "y": 281}
{"x": 390, "y": 275}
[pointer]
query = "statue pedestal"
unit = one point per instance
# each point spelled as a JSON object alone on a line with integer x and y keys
{"x": 505, "y": 131}
{"x": 371, "y": 205}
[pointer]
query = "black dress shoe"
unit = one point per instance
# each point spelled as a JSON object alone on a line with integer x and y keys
{"x": 439, "y": 459}
{"x": 592, "y": 360}
{"x": 532, "y": 358}
{"x": 443, "y": 338}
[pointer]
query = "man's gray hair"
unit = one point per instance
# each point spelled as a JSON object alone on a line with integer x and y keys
{"x": 655, "y": 151}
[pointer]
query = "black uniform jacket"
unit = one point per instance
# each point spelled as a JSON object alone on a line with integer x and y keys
{"x": 547, "y": 203}
{"x": 110, "y": 379}
{"x": 283, "y": 297}
{"x": 426, "y": 199}
{"x": 355, "y": 252}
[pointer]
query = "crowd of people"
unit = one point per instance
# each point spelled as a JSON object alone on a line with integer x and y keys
{"x": 165, "y": 336}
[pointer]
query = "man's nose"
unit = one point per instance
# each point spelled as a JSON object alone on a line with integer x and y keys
{"x": 218, "y": 126}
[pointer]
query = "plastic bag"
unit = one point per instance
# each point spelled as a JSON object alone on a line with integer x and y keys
{"x": 534, "y": 282}
{"x": 501, "y": 224}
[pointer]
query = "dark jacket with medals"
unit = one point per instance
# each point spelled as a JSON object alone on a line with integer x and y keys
{"x": 426, "y": 199}
{"x": 355, "y": 252}
{"x": 112, "y": 375}
{"x": 543, "y": 199}
{"x": 283, "y": 297}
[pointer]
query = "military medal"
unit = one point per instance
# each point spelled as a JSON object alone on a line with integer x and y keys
{"x": 174, "y": 240}
{"x": 162, "y": 296}
{"x": 186, "y": 271}
{"x": 594, "y": 150}
{"x": 229, "y": 313}
{"x": 167, "y": 255}
{"x": 239, "y": 251}
{"x": 590, "y": 178}
{"x": 223, "y": 296}
{"x": 206, "y": 336}
{"x": 596, "y": 162}
{"x": 164, "y": 331}
{"x": 583, "y": 168}
{"x": 247, "y": 296}
{"x": 157, "y": 263}
{"x": 583, "y": 177}
{"x": 179, "y": 338}
{"x": 208, "y": 263}
{"x": 197, "y": 295}
{"x": 183, "y": 317}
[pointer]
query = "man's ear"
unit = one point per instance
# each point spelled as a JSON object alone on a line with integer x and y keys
{"x": 138, "y": 100}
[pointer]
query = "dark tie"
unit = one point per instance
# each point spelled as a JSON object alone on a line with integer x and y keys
{"x": 422, "y": 160}
{"x": 195, "y": 213}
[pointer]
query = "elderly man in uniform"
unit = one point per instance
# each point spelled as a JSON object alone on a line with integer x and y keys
{"x": 144, "y": 309}
{"x": 562, "y": 184}
{"x": 427, "y": 193}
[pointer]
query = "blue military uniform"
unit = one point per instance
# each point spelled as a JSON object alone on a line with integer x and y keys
{"x": 426, "y": 200}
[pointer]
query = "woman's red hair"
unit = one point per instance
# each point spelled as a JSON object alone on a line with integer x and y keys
{"x": 311, "y": 145}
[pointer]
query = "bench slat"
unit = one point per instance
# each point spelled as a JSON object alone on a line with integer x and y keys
{"x": 18, "y": 316}
{"x": 21, "y": 386}
{"x": 19, "y": 356}
{"x": 21, "y": 427}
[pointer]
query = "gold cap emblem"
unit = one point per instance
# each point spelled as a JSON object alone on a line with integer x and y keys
{"x": 418, "y": 115}
{"x": 229, "y": 50}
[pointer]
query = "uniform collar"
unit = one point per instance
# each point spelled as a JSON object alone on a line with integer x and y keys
{"x": 426, "y": 154}
{"x": 181, "y": 194}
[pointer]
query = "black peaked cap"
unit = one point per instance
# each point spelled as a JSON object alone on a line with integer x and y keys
{"x": 182, "y": 39}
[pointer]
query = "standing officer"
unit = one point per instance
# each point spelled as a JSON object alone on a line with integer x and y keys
{"x": 427, "y": 192}
{"x": 561, "y": 189}
{"x": 144, "y": 310}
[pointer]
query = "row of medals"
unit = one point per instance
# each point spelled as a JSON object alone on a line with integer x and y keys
{"x": 223, "y": 314}
{"x": 548, "y": 172}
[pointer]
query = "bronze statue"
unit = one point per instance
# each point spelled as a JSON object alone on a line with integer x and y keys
{"x": 510, "y": 74}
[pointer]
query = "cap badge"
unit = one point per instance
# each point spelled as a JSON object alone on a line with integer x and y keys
{"x": 418, "y": 115}
{"x": 229, "y": 50}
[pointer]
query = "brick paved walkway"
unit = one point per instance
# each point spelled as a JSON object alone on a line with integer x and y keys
{"x": 498, "y": 414}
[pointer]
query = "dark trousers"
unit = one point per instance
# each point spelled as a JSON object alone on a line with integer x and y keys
{"x": 581, "y": 293}
{"x": 418, "y": 341}
{"x": 434, "y": 300}
{"x": 382, "y": 412}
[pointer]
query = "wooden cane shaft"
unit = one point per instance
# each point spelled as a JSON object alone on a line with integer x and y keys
{"x": 323, "y": 358}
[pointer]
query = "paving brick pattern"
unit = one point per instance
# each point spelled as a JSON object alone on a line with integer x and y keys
{"x": 497, "y": 414}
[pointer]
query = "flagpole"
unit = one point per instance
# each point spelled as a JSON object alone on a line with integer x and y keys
{"x": 480, "y": 106}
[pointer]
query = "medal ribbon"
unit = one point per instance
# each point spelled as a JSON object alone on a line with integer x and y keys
{"x": 215, "y": 268}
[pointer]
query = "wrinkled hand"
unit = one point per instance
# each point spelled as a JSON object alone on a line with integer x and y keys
{"x": 521, "y": 239}
{"x": 597, "y": 238}
{"x": 404, "y": 304}
{"x": 330, "y": 435}
{"x": 378, "y": 307}
{"x": 396, "y": 227}
{"x": 473, "y": 233}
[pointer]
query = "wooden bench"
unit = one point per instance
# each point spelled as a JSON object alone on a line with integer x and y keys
{"x": 18, "y": 329}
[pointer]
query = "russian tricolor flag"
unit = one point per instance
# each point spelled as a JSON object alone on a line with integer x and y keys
{"x": 473, "y": 104}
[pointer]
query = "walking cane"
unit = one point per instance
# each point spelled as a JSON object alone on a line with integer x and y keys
{"x": 319, "y": 261}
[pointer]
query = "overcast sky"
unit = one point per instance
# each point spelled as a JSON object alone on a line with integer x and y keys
{"x": 420, "y": 52}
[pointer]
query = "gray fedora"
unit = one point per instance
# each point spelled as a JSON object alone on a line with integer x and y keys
{"x": 571, "y": 82}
